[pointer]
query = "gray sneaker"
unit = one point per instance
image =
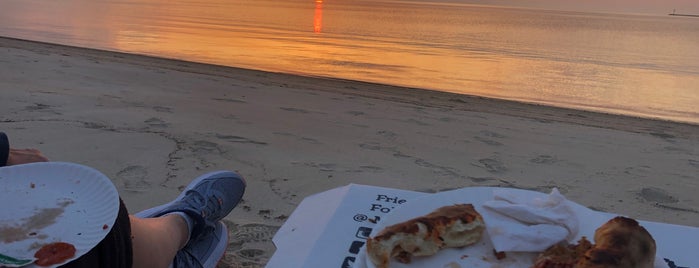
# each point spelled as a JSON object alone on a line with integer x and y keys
{"x": 207, "y": 200}
{"x": 205, "y": 251}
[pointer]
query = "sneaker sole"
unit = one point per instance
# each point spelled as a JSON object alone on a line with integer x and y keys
{"x": 220, "y": 249}
{"x": 148, "y": 213}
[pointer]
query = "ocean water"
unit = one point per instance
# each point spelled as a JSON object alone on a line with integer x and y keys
{"x": 637, "y": 65}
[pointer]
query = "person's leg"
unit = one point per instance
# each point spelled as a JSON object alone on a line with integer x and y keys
{"x": 158, "y": 237}
{"x": 156, "y": 241}
{"x": 199, "y": 208}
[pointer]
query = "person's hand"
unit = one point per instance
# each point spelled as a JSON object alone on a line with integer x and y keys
{"x": 24, "y": 156}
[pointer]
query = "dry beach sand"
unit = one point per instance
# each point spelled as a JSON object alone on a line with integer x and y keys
{"x": 152, "y": 125}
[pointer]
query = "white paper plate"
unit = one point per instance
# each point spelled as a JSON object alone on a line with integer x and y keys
{"x": 51, "y": 202}
{"x": 477, "y": 255}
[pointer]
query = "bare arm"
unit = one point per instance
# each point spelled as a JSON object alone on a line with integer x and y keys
{"x": 11, "y": 156}
{"x": 24, "y": 156}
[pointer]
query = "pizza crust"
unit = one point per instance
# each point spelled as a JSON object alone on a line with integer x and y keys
{"x": 450, "y": 226}
{"x": 619, "y": 243}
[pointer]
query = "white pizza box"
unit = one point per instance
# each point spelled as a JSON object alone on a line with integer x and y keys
{"x": 329, "y": 229}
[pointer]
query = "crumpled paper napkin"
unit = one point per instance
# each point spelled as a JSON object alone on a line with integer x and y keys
{"x": 517, "y": 223}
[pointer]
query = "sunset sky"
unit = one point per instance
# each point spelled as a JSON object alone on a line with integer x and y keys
{"x": 614, "y": 6}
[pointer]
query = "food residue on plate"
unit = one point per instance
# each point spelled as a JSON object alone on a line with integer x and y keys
{"x": 54, "y": 253}
{"x": 28, "y": 227}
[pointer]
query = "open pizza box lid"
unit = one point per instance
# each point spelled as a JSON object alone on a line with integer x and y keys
{"x": 330, "y": 228}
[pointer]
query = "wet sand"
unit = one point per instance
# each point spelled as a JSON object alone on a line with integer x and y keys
{"x": 153, "y": 124}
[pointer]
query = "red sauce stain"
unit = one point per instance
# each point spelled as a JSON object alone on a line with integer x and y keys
{"x": 54, "y": 253}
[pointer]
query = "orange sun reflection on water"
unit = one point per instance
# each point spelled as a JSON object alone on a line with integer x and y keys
{"x": 318, "y": 17}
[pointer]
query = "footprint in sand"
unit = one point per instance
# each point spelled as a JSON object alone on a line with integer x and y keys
{"x": 205, "y": 146}
{"x": 230, "y": 100}
{"x": 95, "y": 125}
{"x": 250, "y": 245}
{"x": 37, "y": 107}
{"x": 658, "y": 195}
{"x": 134, "y": 178}
{"x": 162, "y": 109}
{"x": 310, "y": 140}
{"x": 387, "y": 134}
{"x": 693, "y": 163}
{"x": 303, "y": 139}
{"x": 320, "y": 166}
{"x": 251, "y": 253}
{"x": 249, "y": 233}
{"x": 481, "y": 179}
{"x": 296, "y": 110}
{"x": 544, "y": 159}
{"x": 492, "y": 134}
{"x": 662, "y": 135}
{"x": 156, "y": 122}
{"x": 281, "y": 191}
{"x": 487, "y": 141}
{"x": 416, "y": 122}
{"x": 239, "y": 139}
{"x": 447, "y": 119}
{"x": 370, "y": 146}
{"x": 371, "y": 168}
{"x": 40, "y": 107}
{"x": 492, "y": 165}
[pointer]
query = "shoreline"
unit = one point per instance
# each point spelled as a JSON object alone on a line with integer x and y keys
{"x": 152, "y": 124}
{"x": 684, "y": 15}
{"x": 397, "y": 93}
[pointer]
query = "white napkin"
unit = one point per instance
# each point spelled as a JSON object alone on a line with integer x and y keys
{"x": 520, "y": 224}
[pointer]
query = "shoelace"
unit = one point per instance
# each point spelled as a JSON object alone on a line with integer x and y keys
{"x": 208, "y": 205}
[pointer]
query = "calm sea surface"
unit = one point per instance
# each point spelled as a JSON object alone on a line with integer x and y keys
{"x": 637, "y": 65}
